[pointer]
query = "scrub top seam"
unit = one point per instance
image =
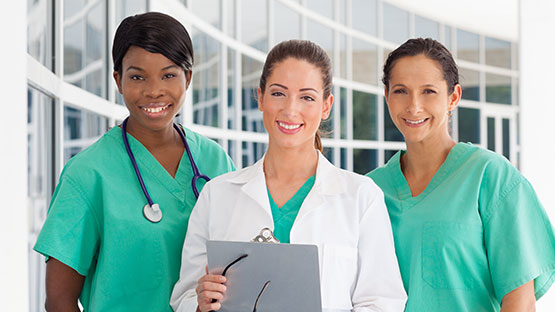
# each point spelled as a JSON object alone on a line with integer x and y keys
{"x": 494, "y": 210}
{"x": 89, "y": 205}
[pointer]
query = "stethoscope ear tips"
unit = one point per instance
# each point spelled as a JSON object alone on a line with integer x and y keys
{"x": 152, "y": 213}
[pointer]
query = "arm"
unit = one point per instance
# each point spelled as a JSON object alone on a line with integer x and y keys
{"x": 520, "y": 299}
{"x": 63, "y": 287}
{"x": 379, "y": 286}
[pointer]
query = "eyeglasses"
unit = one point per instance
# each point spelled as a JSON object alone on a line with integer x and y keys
{"x": 261, "y": 291}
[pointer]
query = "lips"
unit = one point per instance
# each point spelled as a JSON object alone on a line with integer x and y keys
{"x": 288, "y": 127}
{"x": 155, "y": 109}
{"x": 415, "y": 122}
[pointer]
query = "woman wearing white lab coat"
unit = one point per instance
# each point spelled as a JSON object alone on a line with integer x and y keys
{"x": 341, "y": 212}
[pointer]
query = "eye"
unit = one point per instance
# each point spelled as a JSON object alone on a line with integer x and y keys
{"x": 429, "y": 91}
{"x": 399, "y": 91}
{"x": 136, "y": 77}
{"x": 278, "y": 93}
{"x": 169, "y": 75}
{"x": 307, "y": 98}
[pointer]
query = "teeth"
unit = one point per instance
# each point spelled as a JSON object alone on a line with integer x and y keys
{"x": 416, "y": 121}
{"x": 288, "y": 127}
{"x": 155, "y": 109}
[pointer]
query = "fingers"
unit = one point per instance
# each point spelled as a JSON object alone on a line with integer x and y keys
{"x": 210, "y": 290}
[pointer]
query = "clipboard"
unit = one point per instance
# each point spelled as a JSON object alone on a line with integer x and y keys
{"x": 272, "y": 277}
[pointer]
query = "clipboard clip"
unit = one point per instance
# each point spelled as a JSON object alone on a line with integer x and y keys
{"x": 266, "y": 236}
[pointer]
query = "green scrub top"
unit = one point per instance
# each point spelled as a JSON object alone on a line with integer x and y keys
{"x": 95, "y": 222}
{"x": 284, "y": 217}
{"x": 477, "y": 232}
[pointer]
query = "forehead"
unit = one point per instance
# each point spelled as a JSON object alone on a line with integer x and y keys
{"x": 416, "y": 68}
{"x": 292, "y": 71}
{"x": 140, "y": 57}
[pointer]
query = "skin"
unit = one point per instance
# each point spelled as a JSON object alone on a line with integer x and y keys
{"x": 294, "y": 95}
{"x": 417, "y": 92}
{"x": 146, "y": 80}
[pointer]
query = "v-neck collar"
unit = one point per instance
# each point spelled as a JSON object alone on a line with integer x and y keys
{"x": 147, "y": 162}
{"x": 288, "y": 206}
{"x": 403, "y": 190}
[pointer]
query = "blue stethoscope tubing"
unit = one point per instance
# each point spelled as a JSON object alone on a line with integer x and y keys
{"x": 152, "y": 211}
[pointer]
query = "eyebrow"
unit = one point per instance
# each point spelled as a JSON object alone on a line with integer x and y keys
{"x": 402, "y": 85}
{"x": 284, "y": 87}
{"x": 140, "y": 69}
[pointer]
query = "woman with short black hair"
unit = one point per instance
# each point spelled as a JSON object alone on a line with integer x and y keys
{"x": 118, "y": 217}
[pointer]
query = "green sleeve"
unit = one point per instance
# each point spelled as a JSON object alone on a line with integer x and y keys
{"x": 71, "y": 232}
{"x": 519, "y": 239}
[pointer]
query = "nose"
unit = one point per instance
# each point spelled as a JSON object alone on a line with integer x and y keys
{"x": 292, "y": 106}
{"x": 414, "y": 106}
{"x": 154, "y": 89}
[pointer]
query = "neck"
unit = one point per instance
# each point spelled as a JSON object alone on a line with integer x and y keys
{"x": 153, "y": 139}
{"x": 284, "y": 164}
{"x": 424, "y": 158}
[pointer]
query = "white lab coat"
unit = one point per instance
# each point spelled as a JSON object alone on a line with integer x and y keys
{"x": 344, "y": 215}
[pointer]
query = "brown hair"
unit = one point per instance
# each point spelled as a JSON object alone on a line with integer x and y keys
{"x": 301, "y": 50}
{"x": 430, "y": 48}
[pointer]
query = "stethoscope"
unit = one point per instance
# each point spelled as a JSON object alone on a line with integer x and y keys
{"x": 152, "y": 211}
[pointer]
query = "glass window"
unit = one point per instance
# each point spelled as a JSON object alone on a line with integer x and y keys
{"x": 285, "y": 31}
{"x": 388, "y": 154}
{"x": 207, "y": 10}
{"x": 126, "y": 8}
{"x": 364, "y": 160}
{"x": 469, "y": 125}
{"x": 232, "y": 106}
{"x": 498, "y": 89}
{"x": 321, "y": 35}
{"x": 365, "y": 119}
{"x": 252, "y": 152}
{"x": 39, "y": 178}
{"x": 498, "y": 53}
{"x": 447, "y": 39}
{"x": 491, "y": 133}
{"x": 365, "y": 63}
{"x": 206, "y": 94}
{"x": 322, "y": 7}
{"x": 231, "y": 21}
{"x": 470, "y": 82}
{"x": 252, "y": 117}
{"x": 85, "y": 46}
{"x": 343, "y": 112}
{"x": 365, "y": 16}
{"x": 343, "y": 154}
{"x": 506, "y": 138}
{"x": 395, "y": 24}
{"x": 254, "y": 29}
{"x": 468, "y": 46}
{"x": 391, "y": 132}
{"x": 343, "y": 55}
{"x": 39, "y": 25}
{"x": 81, "y": 129}
{"x": 328, "y": 153}
{"x": 425, "y": 28}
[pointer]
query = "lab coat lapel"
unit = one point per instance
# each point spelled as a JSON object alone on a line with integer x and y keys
{"x": 254, "y": 185}
{"x": 326, "y": 184}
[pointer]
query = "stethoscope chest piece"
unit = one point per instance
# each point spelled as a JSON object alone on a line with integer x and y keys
{"x": 152, "y": 213}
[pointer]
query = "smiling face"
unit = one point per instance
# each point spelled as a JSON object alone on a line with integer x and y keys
{"x": 418, "y": 99}
{"x": 153, "y": 88}
{"x": 293, "y": 104}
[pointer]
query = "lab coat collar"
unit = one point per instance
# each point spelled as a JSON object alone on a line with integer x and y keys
{"x": 326, "y": 183}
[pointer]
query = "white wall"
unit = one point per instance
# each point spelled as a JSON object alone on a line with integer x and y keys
{"x": 537, "y": 63}
{"x": 13, "y": 158}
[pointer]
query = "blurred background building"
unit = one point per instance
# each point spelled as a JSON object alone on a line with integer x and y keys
{"x": 72, "y": 99}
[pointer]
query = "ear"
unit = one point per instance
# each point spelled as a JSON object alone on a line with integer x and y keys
{"x": 117, "y": 78}
{"x": 188, "y": 76}
{"x": 259, "y": 97}
{"x": 326, "y": 109}
{"x": 455, "y": 97}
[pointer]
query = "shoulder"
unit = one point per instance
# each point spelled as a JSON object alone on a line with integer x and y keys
{"x": 383, "y": 176}
{"x": 96, "y": 156}
{"x": 200, "y": 143}
{"x": 492, "y": 166}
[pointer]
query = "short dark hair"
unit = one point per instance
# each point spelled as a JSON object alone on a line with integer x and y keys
{"x": 429, "y": 48}
{"x": 302, "y": 50}
{"x": 157, "y": 33}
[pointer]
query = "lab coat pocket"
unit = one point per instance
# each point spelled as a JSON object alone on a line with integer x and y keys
{"x": 452, "y": 255}
{"x": 339, "y": 269}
